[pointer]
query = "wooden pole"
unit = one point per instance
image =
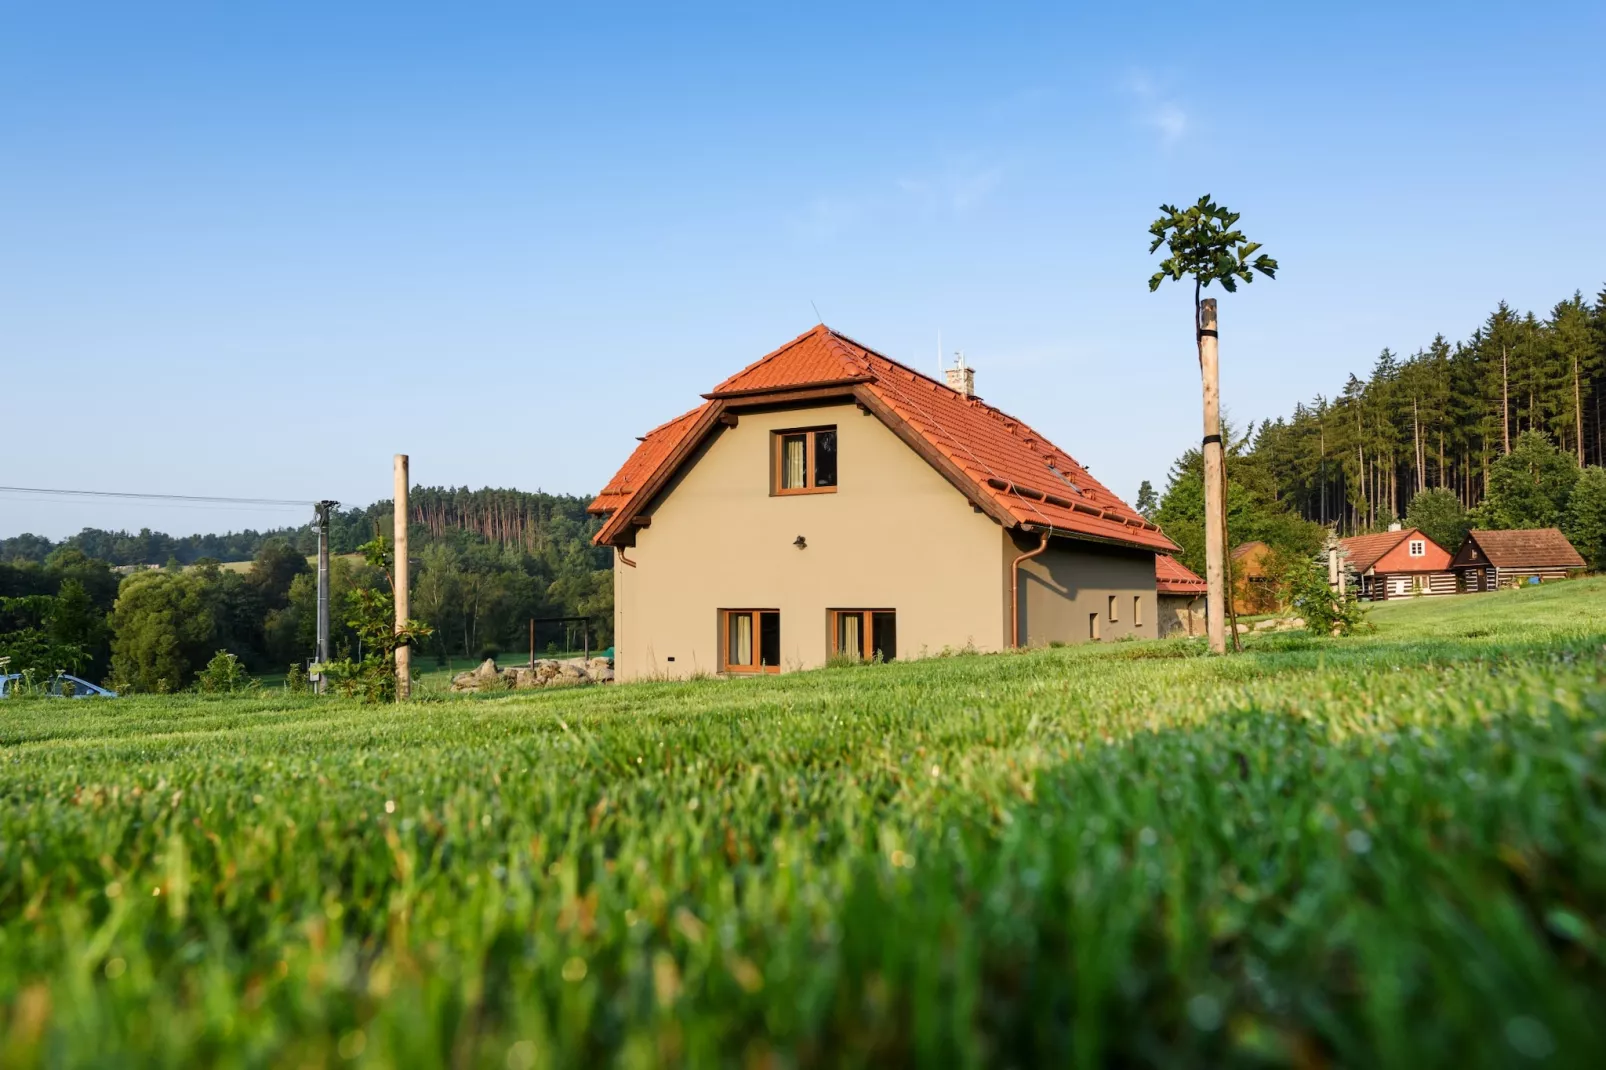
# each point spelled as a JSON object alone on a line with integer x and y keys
{"x": 1214, "y": 470}
{"x": 404, "y": 677}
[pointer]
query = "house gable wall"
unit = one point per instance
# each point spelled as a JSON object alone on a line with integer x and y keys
{"x": 1399, "y": 559}
{"x": 895, "y": 535}
{"x": 1065, "y": 588}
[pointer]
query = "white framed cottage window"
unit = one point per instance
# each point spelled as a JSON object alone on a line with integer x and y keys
{"x": 1419, "y": 548}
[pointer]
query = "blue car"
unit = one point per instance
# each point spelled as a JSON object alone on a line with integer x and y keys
{"x": 81, "y": 688}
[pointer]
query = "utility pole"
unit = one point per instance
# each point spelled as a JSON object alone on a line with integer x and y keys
{"x": 404, "y": 679}
{"x": 1214, "y": 470}
{"x": 322, "y": 646}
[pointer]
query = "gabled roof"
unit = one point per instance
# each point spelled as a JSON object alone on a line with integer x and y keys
{"x": 1007, "y": 469}
{"x": 1173, "y": 577}
{"x": 1534, "y": 548}
{"x": 1365, "y": 550}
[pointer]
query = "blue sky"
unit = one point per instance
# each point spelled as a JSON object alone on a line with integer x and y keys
{"x": 256, "y": 249}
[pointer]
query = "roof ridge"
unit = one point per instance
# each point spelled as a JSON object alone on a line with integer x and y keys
{"x": 878, "y": 355}
{"x": 774, "y": 353}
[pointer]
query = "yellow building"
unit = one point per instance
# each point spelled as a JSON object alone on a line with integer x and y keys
{"x": 827, "y": 501}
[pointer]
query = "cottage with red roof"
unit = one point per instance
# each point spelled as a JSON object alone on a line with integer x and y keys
{"x": 1396, "y": 564}
{"x": 1180, "y": 593}
{"x": 827, "y": 501}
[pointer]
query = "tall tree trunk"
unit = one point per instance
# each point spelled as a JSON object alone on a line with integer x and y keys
{"x": 1505, "y": 401}
{"x": 1578, "y": 411}
{"x": 1416, "y": 429}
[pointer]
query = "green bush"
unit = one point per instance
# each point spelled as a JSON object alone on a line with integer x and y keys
{"x": 1325, "y": 611}
{"x": 223, "y": 675}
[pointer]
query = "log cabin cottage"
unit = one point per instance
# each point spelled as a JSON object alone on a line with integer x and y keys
{"x": 1398, "y": 563}
{"x": 827, "y": 501}
{"x": 1490, "y": 560}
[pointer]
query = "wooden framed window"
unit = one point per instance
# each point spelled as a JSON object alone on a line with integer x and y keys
{"x": 864, "y": 633}
{"x": 803, "y": 461}
{"x": 1093, "y": 627}
{"x": 1137, "y": 610}
{"x": 1419, "y": 548}
{"x": 750, "y": 640}
{"x": 1115, "y": 614}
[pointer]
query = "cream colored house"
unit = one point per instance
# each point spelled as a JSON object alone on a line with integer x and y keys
{"x": 828, "y": 501}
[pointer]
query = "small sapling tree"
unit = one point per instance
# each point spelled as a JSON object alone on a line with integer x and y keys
{"x": 1205, "y": 247}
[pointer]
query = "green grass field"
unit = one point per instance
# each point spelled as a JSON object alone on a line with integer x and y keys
{"x": 1380, "y": 851}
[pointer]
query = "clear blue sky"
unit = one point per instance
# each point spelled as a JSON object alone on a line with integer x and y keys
{"x": 256, "y": 249}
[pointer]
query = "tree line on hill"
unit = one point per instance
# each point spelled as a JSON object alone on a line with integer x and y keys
{"x": 1503, "y": 430}
{"x": 484, "y": 563}
{"x": 528, "y": 520}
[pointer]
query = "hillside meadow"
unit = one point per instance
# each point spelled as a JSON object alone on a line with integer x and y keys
{"x": 1388, "y": 850}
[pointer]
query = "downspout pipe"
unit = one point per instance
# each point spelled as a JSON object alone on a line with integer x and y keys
{"x": 620, "y": 550}
{"x": 1014, "y": 588}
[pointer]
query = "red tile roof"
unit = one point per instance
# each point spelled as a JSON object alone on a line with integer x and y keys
{"x": 1535, "y": 548}
{"x": 656, "y": 446}
{"x": 1364, "y": 550}
{"x": 1173, "y": 577}
{"x": 1021, "y": 474}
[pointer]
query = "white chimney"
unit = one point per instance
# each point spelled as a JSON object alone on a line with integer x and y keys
{"x": 1396, "y": 526}
{"x": 961, "y": 378}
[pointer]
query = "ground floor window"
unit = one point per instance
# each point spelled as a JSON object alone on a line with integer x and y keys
{"x": 751, "y": 640}
{"x": 864, "y": 633}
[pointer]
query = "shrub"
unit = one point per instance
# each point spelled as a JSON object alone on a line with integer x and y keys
{"x": 1326, "y": 612}
{"x": 223, "y": 675}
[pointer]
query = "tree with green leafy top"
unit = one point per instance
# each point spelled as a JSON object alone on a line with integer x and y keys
{"x": 1205, "y": 247}
{"x": 1528, "y": 487}
{"x": 1437, "y": 513}
{"x": 1148, "y": 501}
{"x": 1585, "y": 521}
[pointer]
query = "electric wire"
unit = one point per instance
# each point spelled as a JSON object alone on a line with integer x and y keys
{"x": 200, "y": 499}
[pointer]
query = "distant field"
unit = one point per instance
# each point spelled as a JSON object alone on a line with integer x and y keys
{"x": 1379, "y": 851}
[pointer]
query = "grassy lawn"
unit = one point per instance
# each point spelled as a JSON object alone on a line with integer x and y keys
{"x": 1381, "y": 851}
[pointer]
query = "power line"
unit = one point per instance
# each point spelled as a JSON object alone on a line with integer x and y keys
{"x": 193, "y": 498}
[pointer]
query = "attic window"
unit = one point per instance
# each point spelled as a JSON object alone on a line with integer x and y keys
{"x": 803, "y": 461}
{"x": 1419, "y": 548}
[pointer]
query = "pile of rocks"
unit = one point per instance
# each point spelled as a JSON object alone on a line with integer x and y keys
{"x": 544, "y": 673}
{"x": 1273, "y": 624}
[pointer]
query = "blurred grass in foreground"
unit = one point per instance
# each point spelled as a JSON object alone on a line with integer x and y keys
{"x": 1388, "y": 850}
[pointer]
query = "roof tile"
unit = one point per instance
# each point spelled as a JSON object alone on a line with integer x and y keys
{"x": 1173, "y": 577}
{"x": 1533, "y": 548}
{"x": 1031, "y": 479}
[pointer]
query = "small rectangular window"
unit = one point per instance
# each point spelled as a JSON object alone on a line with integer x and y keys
{"x": 1137, "y": 610}
{"x": 750, "y": 640}
{"x": 865, "y": 634}
{"x": 1419, "y": 548}
{"x": 804, "y": 461}
{"x": 1114, "y": 614}
{"x": 1093, "y": 627}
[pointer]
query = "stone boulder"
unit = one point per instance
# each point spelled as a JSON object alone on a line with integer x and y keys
{"x": 545, "y": 672}
{"x": 484, "y": 677}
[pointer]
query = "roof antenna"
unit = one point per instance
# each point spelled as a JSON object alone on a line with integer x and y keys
{"x": 817, "y": 316}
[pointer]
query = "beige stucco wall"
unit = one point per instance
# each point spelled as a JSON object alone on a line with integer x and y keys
{"x": 1072, "y": 581}
{"x": 895, "y": 535}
